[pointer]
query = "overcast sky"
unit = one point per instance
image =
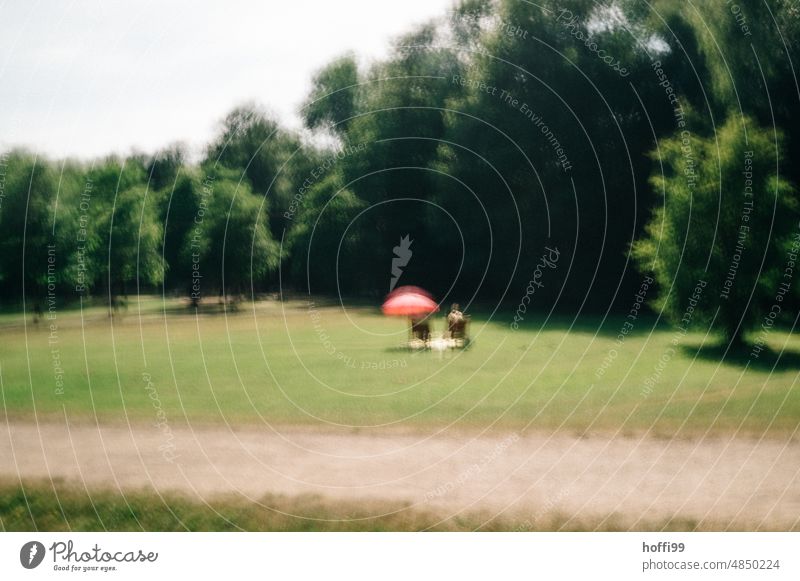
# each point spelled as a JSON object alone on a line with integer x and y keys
{"x": 88, "y": 78}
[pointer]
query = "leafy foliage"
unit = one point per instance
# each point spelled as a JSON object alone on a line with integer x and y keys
{"x": 483, "y": 137}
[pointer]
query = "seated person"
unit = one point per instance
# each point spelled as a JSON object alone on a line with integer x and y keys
{"x": 456, "y": 322}
{"x": 420, "y": 329}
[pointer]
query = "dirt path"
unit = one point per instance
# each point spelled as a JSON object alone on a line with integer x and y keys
{"x": 718, "y": 482}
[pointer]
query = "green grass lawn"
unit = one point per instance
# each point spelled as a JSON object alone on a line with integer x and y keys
{"x": 57, "y": 506}
{"x": 289, "y": 363}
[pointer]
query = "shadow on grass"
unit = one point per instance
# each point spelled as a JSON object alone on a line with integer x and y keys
{"x": 584, "y": 324}
{"x": 742, "y": 355}
{"x": 208, "y": 308}
{"x": 405, "y": 349}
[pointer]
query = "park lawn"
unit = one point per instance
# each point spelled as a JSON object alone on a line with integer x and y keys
{"x": 59, "y": 506}
{"x": 289, "y": 362}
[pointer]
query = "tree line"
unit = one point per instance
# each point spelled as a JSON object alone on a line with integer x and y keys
{"x": 637, "y": 138}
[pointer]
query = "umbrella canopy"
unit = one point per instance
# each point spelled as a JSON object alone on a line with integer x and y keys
{"x": 409, "y": 305}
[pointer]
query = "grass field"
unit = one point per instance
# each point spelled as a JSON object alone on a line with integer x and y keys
{"x": 294, "y": 363}
{"x": 56, "y": 506}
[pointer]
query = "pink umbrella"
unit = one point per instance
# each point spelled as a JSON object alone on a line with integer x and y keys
{"x": 409, "y": 289}
{"x": 409, "y": 305}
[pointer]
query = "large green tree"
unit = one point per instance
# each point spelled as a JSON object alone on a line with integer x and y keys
{"x": 334, "y": 97}
{"x": 229, "y": 245}
{"x": 724, "y": 223}
{"x": 37, "y": 217}
{"x": 132, "y": 243}
{"x": 271, "y": 159}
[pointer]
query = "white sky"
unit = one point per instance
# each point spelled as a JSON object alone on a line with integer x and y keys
{"x": 88, "y": 78}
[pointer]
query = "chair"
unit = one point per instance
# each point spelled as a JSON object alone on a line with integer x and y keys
{"x": 421, "y": 330}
